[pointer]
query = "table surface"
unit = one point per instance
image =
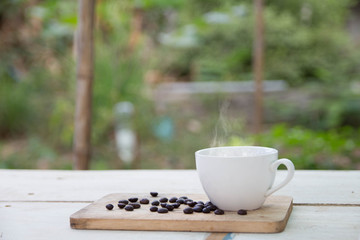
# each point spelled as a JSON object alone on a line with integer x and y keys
{"x": 37, "y": 204}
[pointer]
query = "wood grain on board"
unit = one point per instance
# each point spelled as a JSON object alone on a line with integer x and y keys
{"x": 270, "y": 218}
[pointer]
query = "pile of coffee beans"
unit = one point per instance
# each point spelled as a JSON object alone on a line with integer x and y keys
{"x": 165, "y": 205}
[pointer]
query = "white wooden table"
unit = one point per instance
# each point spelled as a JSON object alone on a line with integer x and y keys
{"x": 37, "y": 204}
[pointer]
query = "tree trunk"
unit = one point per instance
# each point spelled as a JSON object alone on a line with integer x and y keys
{"x": 258, "y": 64}
{"x": 84, "y": 75}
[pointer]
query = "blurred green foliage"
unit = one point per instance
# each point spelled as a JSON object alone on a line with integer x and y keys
{"x": 306, "y": 45}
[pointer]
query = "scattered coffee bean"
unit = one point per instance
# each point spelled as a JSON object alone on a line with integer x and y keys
{"x": 201, "y": 202}
{"x": 155, "y": 203}
{"x": 188, "y": 200}
{"x": 242, "y": 212}
{"x": 184, "y": 197}
{"x": 121, "y": 205}
{"x": 153, "y": 209}
{"x": 153, "y": 194}
{"x": 219, "y": 212}
{"x": 191, "y": 204}
{"x": 135, "y": 205}
{"x": 180, "y": 201}
{"x": 162, "y": 210}
{"x": 197, "y": 209}
{"x": 164, "y": 199}
{"x": 129, "y": 208}
{"x": 176, "y": 205}
{"x": 208, "y": 203}
{"x": 212, "y": 207}
{"x": 169, "y": 207}
{"x": 144, "y": 201}
{"x": 173, "y": 199}
{"x": 188, "y": 210}
{"x": 199, "y": 205}
{"x": 134, "y": 199}
{"x": 163, "y": 204}
{"x": 124, "y": 201}
{"x": 109, "y": 206}
{"x": 206, "y": 210}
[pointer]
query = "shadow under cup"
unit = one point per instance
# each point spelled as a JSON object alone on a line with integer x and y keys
{"x": 239, "y": 177}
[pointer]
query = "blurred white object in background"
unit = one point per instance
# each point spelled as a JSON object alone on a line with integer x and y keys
{"x": 125, "y": 136}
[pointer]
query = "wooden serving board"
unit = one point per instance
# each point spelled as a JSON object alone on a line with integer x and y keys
{"x": 270, "y": 218}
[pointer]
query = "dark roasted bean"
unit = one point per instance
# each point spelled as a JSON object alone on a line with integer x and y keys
{"x": 188, "y": 200}
{"x": 206, "y": 210}
{"x": 176, "y": 205}
{"x": 109, "y": 206}
{"x": 173, "y": 199}
{"x": 201, "y": 202}
{"x": 212, "y": 207}
{"x": 135, "y": 205}
{"x": 164, "y": 199}
{"x": 121, "y": 205}
{"x": 129, "y": 208}
{"x": 155, "y": 203}
{"x": 144, "y": 201}
{"x": 180, "y": 201}
{"x": 163, "y": 204}
{"x": 199, "y": 205}
{"x": 153, "y": 194}
{"x": 208, "y": 203}
{"x": 188, "y": 210}
{"x": 242, "y": 212}
{"x": 170, "y": 207}
{"x": 197, "y": 209}
{"x": 134, "y": 199}
{"x": 162, "y": 210}
{"x": 184, "y": 197}
{"x": 219, "y": 212}
{"x": 191, "y": 204}
{"x": 153, "y": 209}
{"x": 124, "y": 201}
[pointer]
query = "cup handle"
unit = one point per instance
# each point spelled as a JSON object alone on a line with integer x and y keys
{"x": 290, "y": 169}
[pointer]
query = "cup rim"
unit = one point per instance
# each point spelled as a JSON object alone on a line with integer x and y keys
{"x": 271, "y": 151}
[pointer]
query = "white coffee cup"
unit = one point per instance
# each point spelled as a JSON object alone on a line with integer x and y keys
{"x": 240, "y": 177}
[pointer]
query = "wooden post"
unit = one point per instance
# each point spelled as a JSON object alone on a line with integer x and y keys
{"x": 84, "y": 75}
{"x": 258, "y": 64}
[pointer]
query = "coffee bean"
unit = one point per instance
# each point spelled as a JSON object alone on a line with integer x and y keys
{"x": 129, "y": 208}
{"x": 169, "y": 207}
{"x": 153, "y": 209}
{"x": 219, "y": 212}
{"x": 199, "y": 205}
{"x": 163, "y": 204}
{"x": 188, "y": 210}
{"x": 242, "y": 212}
{"x": 184, "y": 197}
{"x": 201, "y": 202}
{"x": 180, "y": 201}
{"x": 206, "y": 210}
{"x": 154, "y": 194}
{"x": 176, "y": 205}
{"x": 144, "y": 201}
{"x": 124, "y": 201}
{"x": 173, "y": 199}
{"x": 197, "y": 209}
{"x": 121, "y": 205}
{"x": 162, "y": 210}
{"x": 208, "y": 203}
{"x": 191, "y": 204}
{"x": 188, "y": 200}
{"x": 164, "y": 199}
{"x": 134, "y": 199}
{"x": 212, "y": 207}
{"x": 135, "y": 205}
{"x": 109, "y": 206}
{"x": 155, "y": 203}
